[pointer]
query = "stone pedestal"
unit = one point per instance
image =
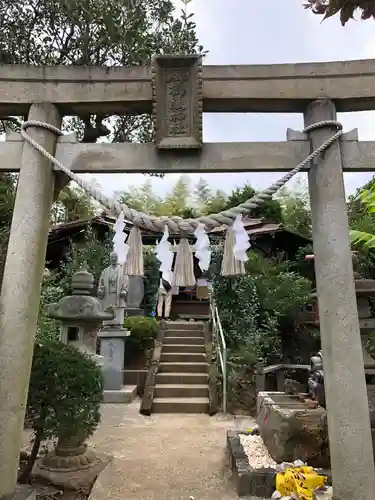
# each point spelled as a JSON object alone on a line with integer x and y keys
{"x": 134, "y": 311}
{"x": 135, "y": 296}
{"x": 112, "y": 348}
{"x": 293, "y": 430}
{"x": 24, "y": 492}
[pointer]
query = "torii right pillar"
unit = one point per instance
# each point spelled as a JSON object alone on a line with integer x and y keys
{"x": 352, "y": 456}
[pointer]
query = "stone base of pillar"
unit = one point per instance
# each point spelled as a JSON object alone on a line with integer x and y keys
{"x": 23, "y": 492}
{"x": 126, "y": 394}
{"x": 323, "y": 494}
{"x": 79, "y": 474}
{"x": 134, "y": 311}
{"x": 69, "y": 459}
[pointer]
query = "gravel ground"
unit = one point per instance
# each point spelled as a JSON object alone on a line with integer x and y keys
{"x": 256, "y": 451}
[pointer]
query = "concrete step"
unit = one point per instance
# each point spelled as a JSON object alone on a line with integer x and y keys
{"x": 182, "y": 357}
{"x": 181, "y": 391}
{"x": 198, "y": 348}
{"x": 125, "y": 395}
{"x": 181, "y": 378}
{"x": 180, "y": 405}
{"x": 184, "y": 333}
{"x": 185, "y": 325}
{"x": 184, "y": 340}
{"x": 168, "y": 367}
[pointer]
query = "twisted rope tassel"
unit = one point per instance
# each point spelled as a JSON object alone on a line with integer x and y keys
{"x": 177, "y": 224}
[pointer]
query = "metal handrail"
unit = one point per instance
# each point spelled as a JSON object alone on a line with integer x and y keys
{"x": 221, "y": 348}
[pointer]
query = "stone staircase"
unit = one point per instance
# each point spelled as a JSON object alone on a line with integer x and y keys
{"x": 182, "y": 379}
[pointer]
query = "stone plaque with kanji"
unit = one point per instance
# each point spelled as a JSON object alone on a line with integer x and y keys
{"x": 177, "y": 101}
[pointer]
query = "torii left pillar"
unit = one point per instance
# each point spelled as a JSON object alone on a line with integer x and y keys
{"x": 20, "y": 293}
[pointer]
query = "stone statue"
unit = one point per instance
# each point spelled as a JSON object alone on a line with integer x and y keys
{"x": 316, "y": 379}
{"x": 113, "y": 290}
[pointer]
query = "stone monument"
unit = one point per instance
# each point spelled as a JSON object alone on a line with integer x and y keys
{"x": 135, "y": 296}
{"x": 112, "y": 291}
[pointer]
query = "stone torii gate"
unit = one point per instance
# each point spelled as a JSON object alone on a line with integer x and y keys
{"x": 176, "y": 90}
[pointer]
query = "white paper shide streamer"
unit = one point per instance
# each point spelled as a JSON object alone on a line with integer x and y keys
{"x": 119, "y": 245}
{"x": 202, "y": 247}
{"x": 242, "y": 240}
{"x": 165, "y": 255}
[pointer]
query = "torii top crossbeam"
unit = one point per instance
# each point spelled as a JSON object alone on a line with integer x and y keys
{"x": 275, "y": 88}
{"x": 176, "y": 90}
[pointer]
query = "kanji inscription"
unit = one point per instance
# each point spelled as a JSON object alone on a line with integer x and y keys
{"x": 177, "y": 102}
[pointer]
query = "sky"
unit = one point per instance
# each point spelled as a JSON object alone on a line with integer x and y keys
{"x": 266, "y": 32}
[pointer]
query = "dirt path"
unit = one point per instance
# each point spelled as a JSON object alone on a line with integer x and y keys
{"x": 176, "y": 457}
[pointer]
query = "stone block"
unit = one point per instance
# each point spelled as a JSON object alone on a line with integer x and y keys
{"x": 260, "y": 483}
{"x": 125, "y": 395}
{"x": 78, "y": 480}
{"x": 113, "y": 349}
{"x": 177, "y": 101}
{"x": 24, "y": 492}
{"x": 134, "y": 311}
{"x": 323, "y": 494}
{"x": 112, "y": 378}
{"x": 291, "y": 430}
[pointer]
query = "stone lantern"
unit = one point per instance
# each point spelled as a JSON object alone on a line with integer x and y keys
{"x": 72, "y": 464}
{"x": 80, "y": 314}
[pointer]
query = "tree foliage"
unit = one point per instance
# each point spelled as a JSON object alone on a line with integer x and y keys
{"x": 95, "y": 33}
{"x": 65, "y": 392}
{"x": 91, "y": 33}
{"x": 255, "y": 309}
{"x": 295, "y": 207}
{"x": 270, "y": 210}
{"x": 346, "y": 9}
{"x": 186, "y": 201}
{"x": 7, "y": 193}
{"x": 73, "y": 204}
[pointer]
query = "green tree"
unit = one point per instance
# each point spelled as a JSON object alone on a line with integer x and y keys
{"x": 142, "y": 199}
{"x": 345, "y": 8}
{"x": 178, "y": 199}
{"x": 177, "y": 202}
{"x": 64, "y": 397}
{"x": 7, "y": 194}
{"x": 216, "y": 203}
{"x": 92, "y": 33}
{"x": 270, "y": 210}
{"x": 202, "y": 192}
{"x": 73, "y": 204}
{"x": 295, "y": 209}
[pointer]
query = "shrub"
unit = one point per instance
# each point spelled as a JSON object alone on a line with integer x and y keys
{"x": 254, "y": 310}
{"x": 143, "y": 330}
{"x": 65, "y": 393}
{"x": 152, "y": 278}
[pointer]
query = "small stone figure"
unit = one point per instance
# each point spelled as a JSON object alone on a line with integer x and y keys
{"x": 293, "y": 387}
{"x": 113, "y": 290}
{"x": 316, "y": 379}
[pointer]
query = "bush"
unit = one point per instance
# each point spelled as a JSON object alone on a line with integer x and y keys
{"x": 65, "y": 393}
{"x": 143, "y": 330}
{"x": 255, "y": 310}
{"x": 152, "y": 278}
